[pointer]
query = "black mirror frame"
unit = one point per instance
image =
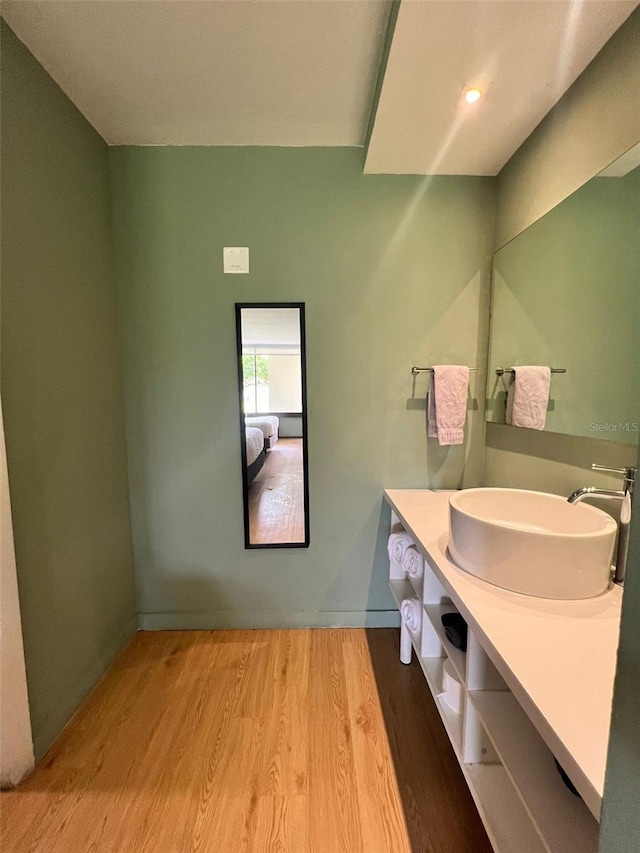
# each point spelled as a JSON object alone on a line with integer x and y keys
{"x": 305, "y": 443}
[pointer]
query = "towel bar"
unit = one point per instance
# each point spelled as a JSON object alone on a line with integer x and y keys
{"x": 416, "y": 370}
{"x": 500, "y": 371}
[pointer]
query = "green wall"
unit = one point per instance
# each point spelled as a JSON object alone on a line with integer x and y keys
{"x": 393, "y": 271}
{"x": 620, "y": 828}
{"x": 592, "y": 125}
{"x": 61, "y": 393}
{"x": 545, "y": 461}
{"x": 595, "y": 121}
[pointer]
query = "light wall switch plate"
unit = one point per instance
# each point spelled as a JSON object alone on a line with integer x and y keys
{"x": 236, "y": 259}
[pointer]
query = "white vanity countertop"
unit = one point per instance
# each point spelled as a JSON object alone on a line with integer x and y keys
{"x": 557, "y": 657}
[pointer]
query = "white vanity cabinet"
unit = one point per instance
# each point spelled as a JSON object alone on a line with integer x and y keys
{"x": 503, "y": 750}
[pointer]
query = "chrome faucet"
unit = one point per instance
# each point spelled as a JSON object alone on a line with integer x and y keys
{"x": 625, "y": 494}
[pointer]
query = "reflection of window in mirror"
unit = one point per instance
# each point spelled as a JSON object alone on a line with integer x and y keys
{"x": 272, "y": 391}
{"x": 272, "y": 379}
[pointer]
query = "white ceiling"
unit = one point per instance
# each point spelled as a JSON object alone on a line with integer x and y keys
{"x": 303, "y": 72}
{"x": 219, "y": 72}
{"x": 524, "y": 54}
{"x": 276, "y": 327}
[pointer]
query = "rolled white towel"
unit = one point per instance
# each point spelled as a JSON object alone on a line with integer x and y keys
{"x": 413, "y": 563}
{"x": 398, "y": 544}
{"x": 411, "y": 612}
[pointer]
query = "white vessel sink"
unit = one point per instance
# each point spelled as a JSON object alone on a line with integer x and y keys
{"x": 532, "y": 542}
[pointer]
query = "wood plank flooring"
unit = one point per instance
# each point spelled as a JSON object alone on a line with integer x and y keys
{"x": 276, "y": 496}
{"x": 292, "y": 741}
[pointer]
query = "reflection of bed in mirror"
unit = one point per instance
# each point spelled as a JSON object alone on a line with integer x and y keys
{"x": 256, "y": 453}
{"x": 269, "y": 424}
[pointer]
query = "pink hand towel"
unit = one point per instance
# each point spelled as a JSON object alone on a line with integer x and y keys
{"x": 447, "y": 405}
{"x": 528, "y": 396}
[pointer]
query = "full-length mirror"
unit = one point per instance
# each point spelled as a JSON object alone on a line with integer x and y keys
{"x": 566, "y": 296}
{"x": 273, "y": 424}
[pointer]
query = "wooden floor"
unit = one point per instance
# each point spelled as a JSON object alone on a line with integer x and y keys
{"x": 243, "y": 741}
{"x": 276, "y": 496}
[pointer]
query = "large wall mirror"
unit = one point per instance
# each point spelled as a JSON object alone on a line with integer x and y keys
{"x": 566, "y": 293}
{"x": 273, "y": 424}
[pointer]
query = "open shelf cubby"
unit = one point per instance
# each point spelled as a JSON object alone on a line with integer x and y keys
{"x": 524, "y": 803}
{"x": 561, "y": 817}
{"x": 434, "y": 613}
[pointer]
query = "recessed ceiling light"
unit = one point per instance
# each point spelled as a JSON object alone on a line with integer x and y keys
{"x": 472, "y": 96}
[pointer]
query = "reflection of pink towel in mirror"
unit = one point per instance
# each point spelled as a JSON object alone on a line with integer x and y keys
{"x": 528, "y": 396}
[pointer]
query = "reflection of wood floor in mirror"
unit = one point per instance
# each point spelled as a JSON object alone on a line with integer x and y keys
{"x": 276, "y": 496}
